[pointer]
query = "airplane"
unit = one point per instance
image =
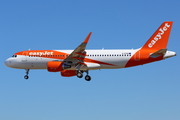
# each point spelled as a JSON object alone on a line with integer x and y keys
{"x": 75, "y": 62}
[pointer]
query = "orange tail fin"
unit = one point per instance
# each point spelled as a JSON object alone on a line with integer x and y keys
{"x": 160, "y": 38}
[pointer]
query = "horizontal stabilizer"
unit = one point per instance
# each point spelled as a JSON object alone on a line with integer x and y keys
{"x": 158, "y": 53}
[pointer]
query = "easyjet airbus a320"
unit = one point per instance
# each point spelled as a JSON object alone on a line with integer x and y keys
{"x": 76, "y": 62}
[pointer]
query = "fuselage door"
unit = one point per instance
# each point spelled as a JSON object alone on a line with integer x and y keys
{"x": 137, "y": 56}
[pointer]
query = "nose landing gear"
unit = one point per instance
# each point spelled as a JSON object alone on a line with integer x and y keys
{"x": 27, "y": 72}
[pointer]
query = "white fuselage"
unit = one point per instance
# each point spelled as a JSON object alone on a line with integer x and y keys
{"x": 118, "y": 58}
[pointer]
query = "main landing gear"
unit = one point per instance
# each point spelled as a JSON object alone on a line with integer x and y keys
{"x": 80, "y": 75}
{"x": 27, "y": 72}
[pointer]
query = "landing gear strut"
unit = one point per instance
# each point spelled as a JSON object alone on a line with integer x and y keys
{"x": 27, "y": 72}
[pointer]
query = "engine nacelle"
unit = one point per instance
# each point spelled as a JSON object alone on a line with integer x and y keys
{"x": 54, "y": 66}
{"x": 68, "y": 73}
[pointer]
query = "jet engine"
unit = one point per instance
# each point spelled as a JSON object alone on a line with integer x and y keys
{"x": 56, "y": 66}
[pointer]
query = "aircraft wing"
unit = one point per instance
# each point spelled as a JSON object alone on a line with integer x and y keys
{"x": 76, "y": 58}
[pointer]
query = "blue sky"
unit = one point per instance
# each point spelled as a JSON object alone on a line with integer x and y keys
{"x": 148, "y": 92}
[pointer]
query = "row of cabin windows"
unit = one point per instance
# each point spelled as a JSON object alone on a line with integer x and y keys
{"x": 129, "y": 54}
{"x": 92, "y": 55}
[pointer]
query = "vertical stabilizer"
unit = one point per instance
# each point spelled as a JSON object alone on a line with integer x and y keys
{"x": 155, "y": 48}
{"x": 159, "y": 39}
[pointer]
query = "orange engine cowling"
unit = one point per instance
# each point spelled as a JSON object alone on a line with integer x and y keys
{"x": 68, "y": 73}
{"x": 54, "y": 66}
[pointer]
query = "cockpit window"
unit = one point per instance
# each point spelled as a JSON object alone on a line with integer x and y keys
{"x": 14, "y": 56}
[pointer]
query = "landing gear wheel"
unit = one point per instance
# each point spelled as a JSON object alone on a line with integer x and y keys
{"x": 87, "y": 78}
{"x": 79, "y": 75}
{"x": 26, "y": 77}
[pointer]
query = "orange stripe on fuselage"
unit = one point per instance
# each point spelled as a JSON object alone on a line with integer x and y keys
{"x": 95, "y": 61}
{"x": 141, "y": 57}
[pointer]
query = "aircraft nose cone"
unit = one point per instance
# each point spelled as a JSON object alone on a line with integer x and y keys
{"x": 7, "y": 62}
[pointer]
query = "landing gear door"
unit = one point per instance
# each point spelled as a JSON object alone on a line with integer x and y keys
{"x": 24, "y": 57}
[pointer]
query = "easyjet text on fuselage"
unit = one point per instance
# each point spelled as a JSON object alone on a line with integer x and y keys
{"x": 41, "y": 53}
